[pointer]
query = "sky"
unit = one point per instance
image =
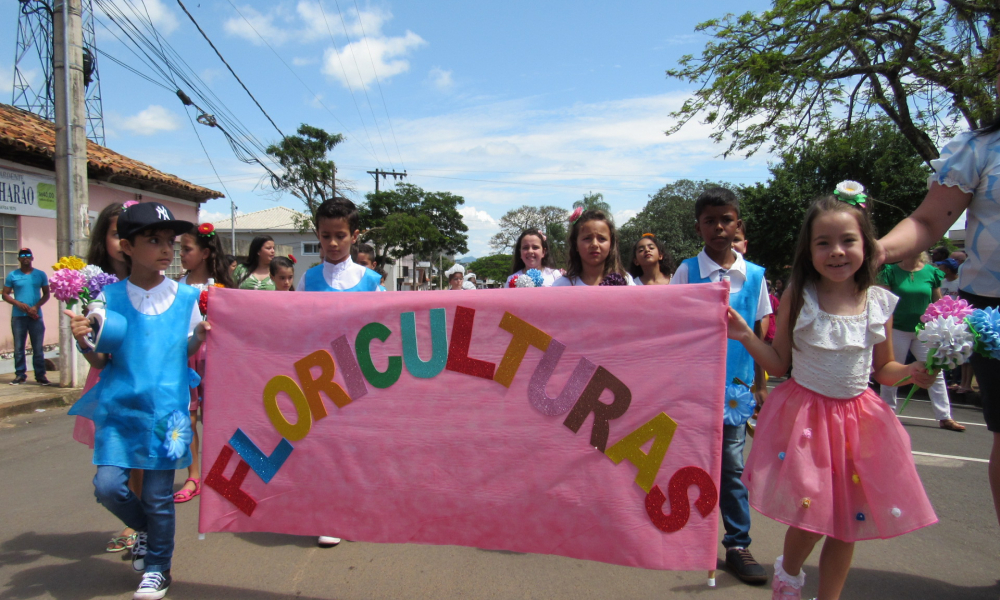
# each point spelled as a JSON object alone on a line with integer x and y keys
{"x": 504, "y": 104}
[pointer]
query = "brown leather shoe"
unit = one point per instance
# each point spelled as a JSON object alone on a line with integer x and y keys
{"x": 952, "y": 425}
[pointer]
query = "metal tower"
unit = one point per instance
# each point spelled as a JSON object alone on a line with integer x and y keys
{"x": 34, "y": 50}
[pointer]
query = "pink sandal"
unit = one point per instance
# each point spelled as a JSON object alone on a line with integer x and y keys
{"x": 185, "y": 495}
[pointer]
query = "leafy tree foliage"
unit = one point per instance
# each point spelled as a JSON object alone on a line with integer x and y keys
{"x": 593, "y": 201}
{"x": 308, "y": 174}
{"x": 669, "y": 215}
{"x": 525, "y": 217}
{"x": 495, "y": 267}
{"x": 810, "y": 67}
{"x": 875, "y": 154}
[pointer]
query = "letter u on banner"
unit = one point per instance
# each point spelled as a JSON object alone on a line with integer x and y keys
{"x": 425, "y": 369}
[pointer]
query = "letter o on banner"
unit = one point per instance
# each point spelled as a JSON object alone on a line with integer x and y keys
{"x": 291, "y": 432}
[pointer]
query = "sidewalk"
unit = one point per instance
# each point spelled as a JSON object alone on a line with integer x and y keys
{"x": 29, "y": 396}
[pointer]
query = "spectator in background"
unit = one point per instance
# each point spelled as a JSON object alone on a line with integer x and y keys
{"x": 949, "y": 286}
{"x": 470, "y": 282}
{"x": 256, "y": 273}
{"x": 938, "y": 254}
{"x": 30, "y": 289}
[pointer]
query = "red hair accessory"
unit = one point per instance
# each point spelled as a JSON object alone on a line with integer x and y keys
{"x": 573, "y": 216}
{"x": 129, "y": 203}
{"x": 648, "y": 235}
{"x": 206, "y": 229}
{"x": 291, "y": 257}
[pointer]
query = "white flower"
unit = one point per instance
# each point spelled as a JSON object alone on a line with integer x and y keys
{"x": 523, "y": 281}
{"x": 89, "y": 271}
{"x": 850, "y": 188}
{"x": 950, "y": 340}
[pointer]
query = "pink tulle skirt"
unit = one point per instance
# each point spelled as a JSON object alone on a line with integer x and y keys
{"x": 840, "y": 468}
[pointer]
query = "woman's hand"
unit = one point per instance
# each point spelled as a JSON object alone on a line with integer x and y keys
{"x": 737, "y": 328}
{"x": 80, "y": 325}
{"x": 920, "y": 376}
{"x": 201, "y": 330}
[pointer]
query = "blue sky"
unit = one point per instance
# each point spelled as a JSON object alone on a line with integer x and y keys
{"x": 502, "y": 103}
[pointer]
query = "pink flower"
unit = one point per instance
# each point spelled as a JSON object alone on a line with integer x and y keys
{"x": 573, "y": 216}
{"x": 947, "y": 307}
{"x": 66, "y": 285}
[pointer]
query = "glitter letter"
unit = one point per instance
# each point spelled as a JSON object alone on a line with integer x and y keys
{"x": 312, "y": 386}
{"x": 679, "y": 509}
{"x": 283, "y": 383}
{"x": 263, "y": 465}
{"x": 661, "y": 428}
{"x": 439, "y": 344}
{"x": 461, "y": 338}
{"x": 525, "y": 334}
{"x": 589, "y": 402}
{"x": 349, "y": 368}
{"x": 230, "y": 488}
{"x": 362, "y": 346}
{"x": 543, "y": 372}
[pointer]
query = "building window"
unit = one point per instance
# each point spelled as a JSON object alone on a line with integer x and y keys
{"x": 310, "y": 249}
{"x": 175, "y": 270}
{"x": 9, "y": 238}
{"x": 406, "y": 271}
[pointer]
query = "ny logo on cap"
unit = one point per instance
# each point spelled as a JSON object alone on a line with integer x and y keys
{"x": 161, "y": 212}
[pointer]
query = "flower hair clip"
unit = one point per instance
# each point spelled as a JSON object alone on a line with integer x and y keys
{"x": 646, "y": 235}
{"x": 206, "y": 230}
{"x": 851, "y": 192}
{"x": 129, "y": 203}
{"x": 573, "y": 216}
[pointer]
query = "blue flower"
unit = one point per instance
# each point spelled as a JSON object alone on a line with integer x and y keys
{"x": 194, "y": 379}
{"x": 739, "y": 404}
{"x": 986, "y": 323}
{"x": 535, "y": 276}
{"x": 178, "y": 435}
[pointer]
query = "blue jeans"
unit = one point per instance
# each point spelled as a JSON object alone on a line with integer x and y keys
{"x": 22, "y": 328}
{"x": 154, "y": 513}
{"x": 733, "y": 502}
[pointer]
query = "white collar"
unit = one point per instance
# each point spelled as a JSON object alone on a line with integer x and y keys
{"x": 707, "y": 266}
{"x": 338, "y": 268}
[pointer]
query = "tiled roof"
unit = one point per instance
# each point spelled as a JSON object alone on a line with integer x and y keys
{"x": 278, "y": 218}
{"x": 28, "y": 139}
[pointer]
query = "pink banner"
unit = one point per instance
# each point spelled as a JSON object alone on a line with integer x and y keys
{"x": 583, "y": 422}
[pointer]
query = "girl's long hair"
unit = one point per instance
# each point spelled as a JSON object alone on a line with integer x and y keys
{"x": 518, "y": 263}
{"x": 803, "y": 271}
{"x": 218, "y": 264}
{"x": 98, "y": 253}
{"x": 667, "y": 266}
{"x": 612, "y": 264}
{"x": 253, "y": 258}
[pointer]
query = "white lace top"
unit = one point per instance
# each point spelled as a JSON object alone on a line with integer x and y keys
{"x": 832, "y": 354}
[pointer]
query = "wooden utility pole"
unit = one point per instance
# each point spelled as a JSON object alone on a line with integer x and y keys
{"x": 385, "y": 174}
{"x": 72, "y": 220}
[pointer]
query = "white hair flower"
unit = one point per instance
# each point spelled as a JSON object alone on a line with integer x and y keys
{"x": 850, "y": 188}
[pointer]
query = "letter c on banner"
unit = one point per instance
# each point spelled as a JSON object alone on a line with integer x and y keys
{"x": 291, "y": 432}
{"x": 362, "y": 347}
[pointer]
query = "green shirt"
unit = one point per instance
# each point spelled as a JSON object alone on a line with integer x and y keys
{"x": 251, "y": 282}
{"x": 914, "y": 291}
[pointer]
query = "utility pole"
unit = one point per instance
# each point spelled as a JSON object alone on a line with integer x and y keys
{"x": 72, "y": 220}
{"x": 385, "y": 174}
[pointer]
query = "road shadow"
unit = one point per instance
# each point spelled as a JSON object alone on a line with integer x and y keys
{"x": 30, "y": 546}
{"x": 862, "y": 584}
{"x": 274, "y": 540}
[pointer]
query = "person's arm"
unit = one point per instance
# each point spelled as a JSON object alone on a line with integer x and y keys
{"x": 935, "y": 294}
{"x": 889, "y": 372}
{"x": 80, "y": 325}
{"x": 776, "y": 358}
{"x": 10, "y": 299}
{"x": 198, "y": 337}
{"x": 940, "y": 208}
{"x": 760, "y": 328}
{"x": 41, "y": 301}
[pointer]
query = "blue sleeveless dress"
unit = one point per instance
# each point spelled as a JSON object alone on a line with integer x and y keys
{"x": 315, "y": 282}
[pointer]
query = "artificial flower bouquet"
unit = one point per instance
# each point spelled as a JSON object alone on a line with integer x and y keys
{"x": 528, "y": 279}
{"x": 77, "y": 282}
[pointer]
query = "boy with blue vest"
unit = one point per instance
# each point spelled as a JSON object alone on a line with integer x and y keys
{"x": 717, "y": 221}
{"x": 140, "y": 405}
{"x": 337, "y": 231}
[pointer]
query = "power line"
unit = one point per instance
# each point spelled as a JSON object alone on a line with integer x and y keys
{"x": 364, "y": 37}
{"x": 204, "y": 35}
{"x": 347, "y": 80}
{"x": 134, "y": 71}
{"x": 296, "y": 75}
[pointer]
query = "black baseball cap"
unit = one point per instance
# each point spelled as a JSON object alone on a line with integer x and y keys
{"x": 25, "y": 252}
{"x": 149, "y": 215}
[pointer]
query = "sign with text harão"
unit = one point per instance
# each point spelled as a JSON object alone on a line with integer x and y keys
{"x": 583, "y": 422}
{"x": 27, "y": 194}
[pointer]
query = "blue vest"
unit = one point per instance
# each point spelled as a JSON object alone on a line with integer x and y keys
{"x": 142, "y": 385}
{"x": 739, "y": 363}
{"x": 315, "y": 282}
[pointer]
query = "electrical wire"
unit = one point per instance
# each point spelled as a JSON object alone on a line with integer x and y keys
{"x": 203, "y": 149}
{"x": 364, "y": 37}
{"x": 134, "y": 71}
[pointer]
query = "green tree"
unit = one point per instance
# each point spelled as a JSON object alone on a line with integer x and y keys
{"x": 495, "y": 267}
{"x": 308, "y": 174}
{"x": 517, "y": 220}
{"x": 669, "y": 215}
{"x": 875, "y": 154}
{"x": 592, "y": 201}
{"x": 810, "y": 67}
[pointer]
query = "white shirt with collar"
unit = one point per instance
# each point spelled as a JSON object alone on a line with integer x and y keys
{"x": 737, "y": 277}
{"x": 157, "y": 300}
{"x": 340, "y": 276}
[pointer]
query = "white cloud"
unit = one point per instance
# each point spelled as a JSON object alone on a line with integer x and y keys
{"x": 478, "y": 220}
{"x": 303, "y": 61}
{"x": 621, "y": 217}
{"x": 164, "y": 19}
{"x": 207, "y": 216}
{"x": 385, "y": 59}
{"x": 151, "y": 120}
{"x": 441, "y": 79}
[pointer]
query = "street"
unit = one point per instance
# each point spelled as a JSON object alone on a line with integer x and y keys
{"x": 53, "y": 534}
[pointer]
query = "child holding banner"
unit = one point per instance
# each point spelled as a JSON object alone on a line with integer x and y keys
{"x": 717, "y": 221}
{"x": 830, "y": 458}
{"x": 337, "y": 230}
{"x": 532, "y": 252}
{"x": 593, "y": 252}
{"x": 140, "y": 405}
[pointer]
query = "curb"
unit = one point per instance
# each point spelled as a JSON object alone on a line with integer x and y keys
{"x": 65, "y": 397}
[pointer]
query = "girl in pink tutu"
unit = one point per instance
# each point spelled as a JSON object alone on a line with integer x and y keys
{"x": 830, "y": 458}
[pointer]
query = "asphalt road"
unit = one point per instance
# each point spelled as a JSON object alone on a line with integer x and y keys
{"x": 52, "y": 537}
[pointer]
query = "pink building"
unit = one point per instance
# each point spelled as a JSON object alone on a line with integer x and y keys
{"x": 27, "y": 198}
